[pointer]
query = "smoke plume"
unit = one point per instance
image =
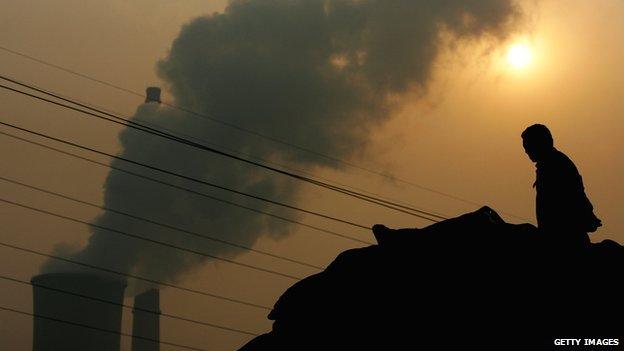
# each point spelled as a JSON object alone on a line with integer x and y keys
{"x": 316, "y": 73}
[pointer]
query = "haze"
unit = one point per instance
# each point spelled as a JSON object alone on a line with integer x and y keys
{"x": 459, "y": 135}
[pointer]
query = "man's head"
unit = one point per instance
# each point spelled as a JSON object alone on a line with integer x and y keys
{"x": 537, "y": 141}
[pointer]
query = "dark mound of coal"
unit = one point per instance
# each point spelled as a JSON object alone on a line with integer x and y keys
{"x": 471, "y": 282}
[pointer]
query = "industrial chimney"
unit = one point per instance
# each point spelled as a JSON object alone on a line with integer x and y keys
{"x": 49, "y": 335}
{"x": 146, "y": 323}
{"x": 152, "y": 94}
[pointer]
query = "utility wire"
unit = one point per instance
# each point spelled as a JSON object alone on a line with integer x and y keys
{"x": 251, "y": 132}
{"x": 319, "y": 229}
{"x": 162, "y": 134}
{"x": 164, "y": 314}
{"x": 99, "y": 329}
{"x": 172, "y": 137}
{"x": 161, "y": 224}
{"x": 146, "y": 239}
{"x": 238, "y": 153}
{"x": 134, "y": 276}
{"x": 61, "y": 68}
{"x": 132, "y": 124}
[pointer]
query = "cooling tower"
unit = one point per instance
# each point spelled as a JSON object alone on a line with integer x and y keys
{"x": 146, "y": 323}
{"x": 49, "y": 335}
{"x": 152, "y": 94}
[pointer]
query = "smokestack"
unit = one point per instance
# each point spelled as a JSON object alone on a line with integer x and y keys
{"x": 51, "y": 335}
{"x": 146, "y": 324}
{"x": 152, "y": 94}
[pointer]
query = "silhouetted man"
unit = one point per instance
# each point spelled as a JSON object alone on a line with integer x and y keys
{"x": 564, "y": 213}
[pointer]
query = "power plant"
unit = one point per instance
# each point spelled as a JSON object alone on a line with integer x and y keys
{"x": 54, "y": 335}
{"x": 92, "y": 322}
{"x": 83, "y": 312}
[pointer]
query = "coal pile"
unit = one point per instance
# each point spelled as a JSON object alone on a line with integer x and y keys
{"x": 471, "y": 282}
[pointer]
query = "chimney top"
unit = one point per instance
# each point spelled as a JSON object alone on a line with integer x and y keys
{"x": 152, "y": 94}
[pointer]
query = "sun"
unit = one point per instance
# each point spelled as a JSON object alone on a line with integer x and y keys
{"x": 519, "y": 55}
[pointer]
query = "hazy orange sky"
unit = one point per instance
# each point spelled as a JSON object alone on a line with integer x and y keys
{"x": 460, "y": 136}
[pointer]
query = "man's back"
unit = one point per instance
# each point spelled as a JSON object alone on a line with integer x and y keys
{"x": 561, "y": 201}
{"x": 563, "y": 211}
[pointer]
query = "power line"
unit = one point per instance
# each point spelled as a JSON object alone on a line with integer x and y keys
{"x": 168, "y": 136}
{"x": 187, "y": 136}
{"x": 138, "y": 175}
{"x": 99, "y": 329}
{"x": 251, "y": 132}
{"x": 164, "y": 225}
{"x": 137, "y": 277}
{"x": 139, "y": 237}
{"x": 164, "y": 314}
{"x": 61, "y": 68}
{"x": 131, "y": 124}
{"x": 159, "y": 133}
